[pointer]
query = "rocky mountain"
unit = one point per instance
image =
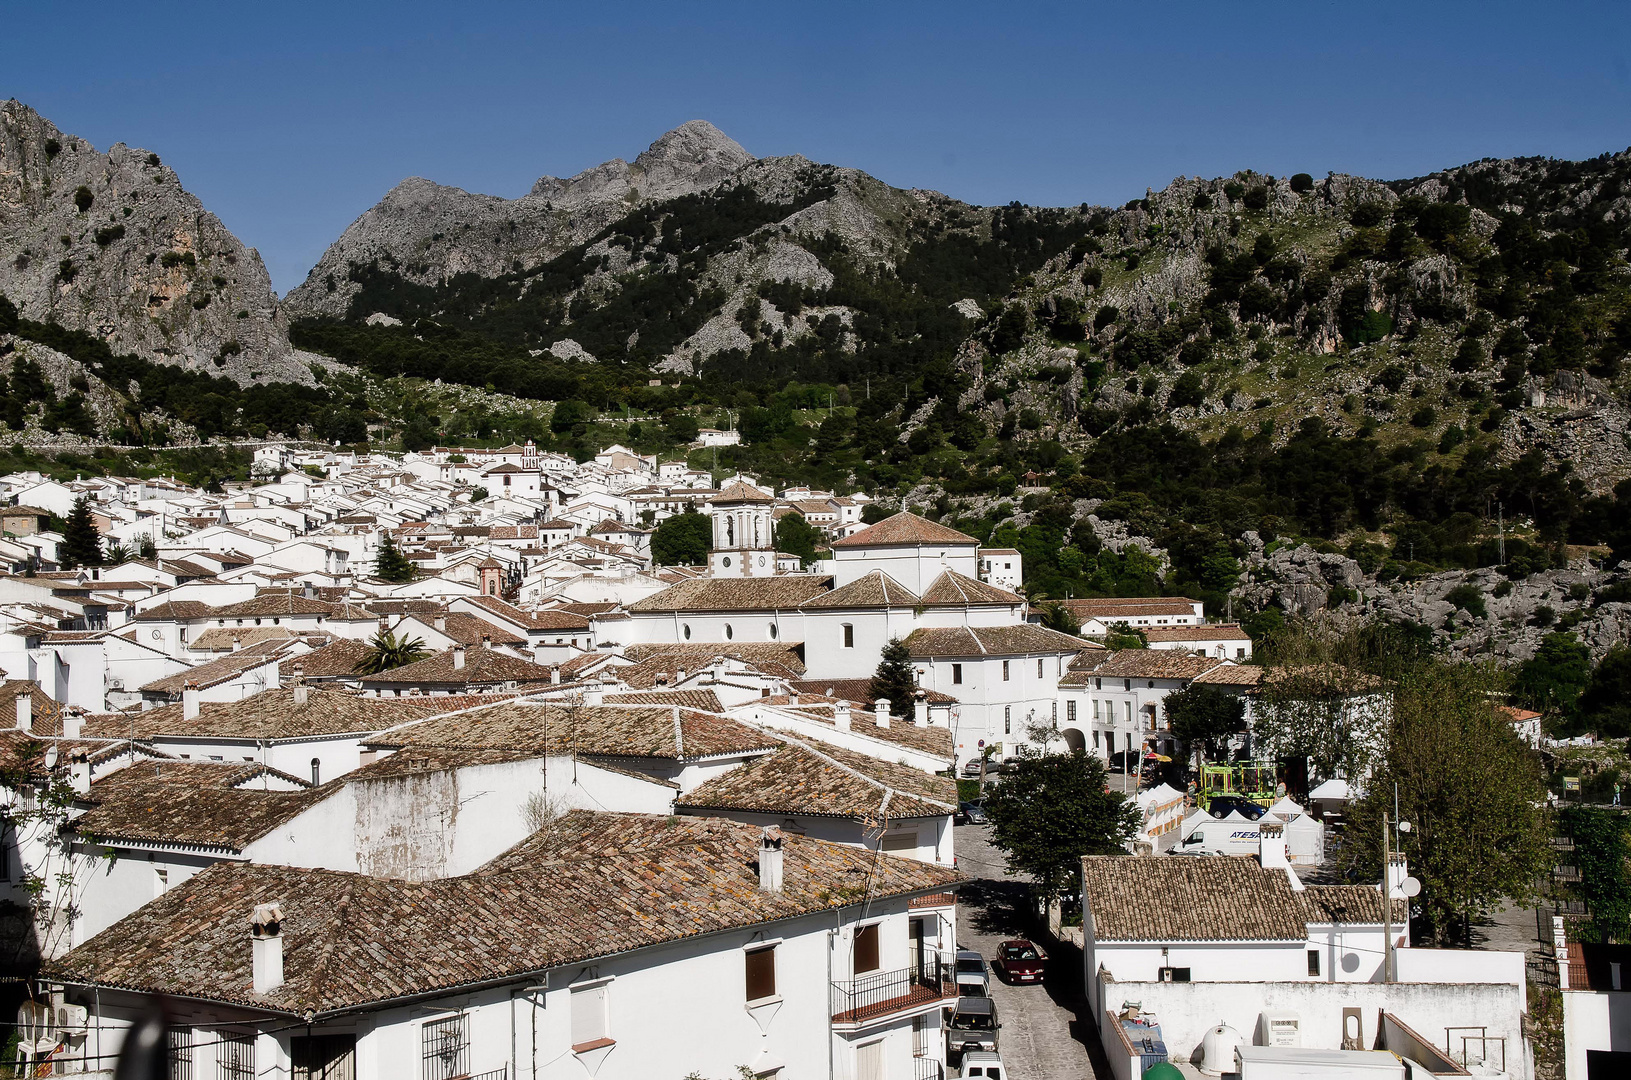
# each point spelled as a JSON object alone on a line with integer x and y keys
{"x": 429, "y": 233}
{"x": 112, "y": 244}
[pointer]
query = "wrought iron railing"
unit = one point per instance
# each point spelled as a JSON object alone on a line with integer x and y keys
{"x": 927, "y": 1068}
{"x": 880, "y": 992}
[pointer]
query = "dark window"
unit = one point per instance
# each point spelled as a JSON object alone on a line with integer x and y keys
{"x": 1173, "y": 974}
{"x": 866, "y": 948}
{"x": 1005, "y": 671}
{"x": 849, "y": 636}
{"x": 1039, "y": 667}
{"x": 761, "y": 973}
{"x": 957, "y": 673}
{"x": 323, "y": 1057}
{"x": 445, "y": 1049}
{"x": 1313, "y": 961}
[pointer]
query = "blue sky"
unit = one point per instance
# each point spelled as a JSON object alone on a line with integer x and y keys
{"x": 289, "y": 120}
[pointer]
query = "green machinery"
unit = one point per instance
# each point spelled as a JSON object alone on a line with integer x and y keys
{"x": 1253, "y": 780}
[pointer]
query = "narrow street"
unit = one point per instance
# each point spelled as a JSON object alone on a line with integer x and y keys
{"x": 1046, "y": 1033}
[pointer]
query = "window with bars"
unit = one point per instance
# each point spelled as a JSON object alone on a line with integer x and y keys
{"x": 235, "y": 1057}
{"x": 445, "y": 1048}
{"x": 323, "y": 1057}
{"x": 178, "y": 1053}
{"x": 1070, "y": 712}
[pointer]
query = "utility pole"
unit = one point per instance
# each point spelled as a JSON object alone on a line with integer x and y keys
{"x": 1387, "y": 904}
{"x": 1500, "y": 529}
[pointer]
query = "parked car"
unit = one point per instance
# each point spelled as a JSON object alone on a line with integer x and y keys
{"x": 973, "y": 977}
{"x": 973, "y": 1026}
{"x": 982, "y": 1065}
{"x": 969, "y": 813}
{"x": 1019, "y": 961}
{"x": 1222, "y": 806}
{"x": 971, "y": 768}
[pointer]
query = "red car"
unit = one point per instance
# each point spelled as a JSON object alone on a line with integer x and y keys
{"x": 1019, "y": 961}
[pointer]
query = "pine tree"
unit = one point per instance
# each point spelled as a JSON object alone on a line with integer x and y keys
{"x": 81, "y": 543}
{"x": 894, "y": 678}
{"x": 390, "y": 564}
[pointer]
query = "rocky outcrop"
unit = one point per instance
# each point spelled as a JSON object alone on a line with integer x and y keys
{"x": 112, "y": 244}
{"x": 427, "y": 232}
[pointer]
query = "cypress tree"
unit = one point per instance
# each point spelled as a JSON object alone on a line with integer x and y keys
{"x": 81, "y": 543}
{"x": 390, "y": 564}
{"x": 894, "y": 678}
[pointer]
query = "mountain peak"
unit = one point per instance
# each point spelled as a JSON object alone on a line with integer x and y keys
{"x": 695, "y": 145}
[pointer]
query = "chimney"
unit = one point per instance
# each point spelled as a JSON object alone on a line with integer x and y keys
{"x": 458, "y": 658}
{"x": 679, "y": 676}
{"x": 770, "y": 859}
{"x": 300, "y": 689}
{"x": 1272, "y": 850}
{"x": 309, "y": 592}
{"x": 266, "y": 939}
{"x": 840, "y": 715}
{"x": 441, "y": 623}
{"x": 920, "y": 709}
{"x": 554, "y": 674}
{"x": 792, "y": 697}
{"x": 79, "y": 774}
{"x": 73, "y": 723}
{"x": 486, "y": 641}
{"x": 25, "y": 711}
{"x": 189, "y": 699}
{"x": 237, "y": 642}
{"x": 880, "y": 712}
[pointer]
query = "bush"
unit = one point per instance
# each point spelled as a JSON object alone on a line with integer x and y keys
{"x": 1092, "y": 277}
{"x": 83, "y": 198}
{"x": 1470, "y": 357}
{"x": 1368, "y": 215}
{"x": 108, "y": 235}
{"x": 1468, "y": 598}
{"x": 172, "y": 259}
{"x": 1424, "y": 417}
{"x": 1187, "y": 391}
{"x": 1105, "y": 316}
{"x": 1132, "y": 260}
{"x": 1302, "y": 182}
{"x": 1234, "y": 189}
{"x": 1257, "y": 198}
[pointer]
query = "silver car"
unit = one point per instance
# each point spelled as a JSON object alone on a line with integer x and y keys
{"x": 972, "y": 1026}
{"x": 973, "y": 977}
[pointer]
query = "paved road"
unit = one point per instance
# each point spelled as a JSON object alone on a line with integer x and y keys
{"x": 1045, "y": 1034}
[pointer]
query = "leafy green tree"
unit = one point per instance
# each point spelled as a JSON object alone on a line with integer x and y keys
{"x": 568, "y": 415}
{"x": 1052, "y": 810}
{"x": 146, "y": 548}
{"x": 682, "y": 428}
{"x": 1605, "y": 704}
{"x": 1301, "y": 182}
{"x": 796, "y": 536}
{"x": 81, "y": 543}
{"x": 1602, "y": 851}
{"x": 8, "y": 315}
{"x": 116, "y": 553}
{"x": 872, "y": 513}
{"x": 1122, "y": 636}
{"x": 1553, "y": 678}
{"x": 1204, "y": 717}
{"x": 1056, "y": 616}
{"x": 390, "y": 564}
{"x": 895, "y": 679}
{"x": 387, "y": 651}
{"x": 1471, "y": 790}
{"x": 682, "y": 540}
{"x": 1469, "y": 598}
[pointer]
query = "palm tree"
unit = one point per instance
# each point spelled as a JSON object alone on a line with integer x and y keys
{"x": 116, "y": 553}
{"x": 387, "y": 651}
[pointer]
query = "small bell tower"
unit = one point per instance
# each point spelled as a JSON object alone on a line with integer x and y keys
{"x": 744, "y": 533}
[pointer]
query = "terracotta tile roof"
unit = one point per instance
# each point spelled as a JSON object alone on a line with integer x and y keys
{"x": 863, "y": 721}
{"x": 1246, "y": 675}
{"x": 586, "y": 610}
{"x": 597, "y": 884}
{"x": 558, "y": 619}
{"x": 826, "y": 782}
{"x": 336, "y": 660}
{"x": 636, "y": 731}
{"x": 405, "y": 607}
{"x": 668, "y": 658}
{"x": 739, "y": 492}
{"x": 1016, "y": 640}
{"x": 1128, "y": 608}
{"x": 858, "y": 691}
{"x": 220, "y": 670}
{"x": 1199, "y": 632}
{"x": 181, "y": 610}
{"x": 954, "y": 589}
{"x": 905, "y": 528}
{"x": 876, "y": 589}
{"x": 480, "y": 666}
{"x": 704, "y": 700}
{"x": 271, "y": 714}
{"x": 1162, "y": 898}
{"x": 735, "y": 594}
{"x": 276, "y": 602}
{"x": 1147, "y": 664}
{"x": 469, "y": 630}
{"x": 224, "y": 638}
{"x": 1347, "y": 904}
{"x": 216, "y": 804}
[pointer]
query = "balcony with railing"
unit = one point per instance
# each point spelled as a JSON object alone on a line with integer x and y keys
{"x": 879, "y": 994}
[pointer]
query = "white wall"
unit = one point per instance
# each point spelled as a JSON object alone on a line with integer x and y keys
{"x": 1593, "y": 1021}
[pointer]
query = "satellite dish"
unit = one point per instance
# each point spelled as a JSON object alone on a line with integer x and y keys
{"x": 1410, "y": 887}
{"x": 51, "y": 758}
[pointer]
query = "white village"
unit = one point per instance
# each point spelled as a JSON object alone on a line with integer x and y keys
{"x": 421, "y": 765}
